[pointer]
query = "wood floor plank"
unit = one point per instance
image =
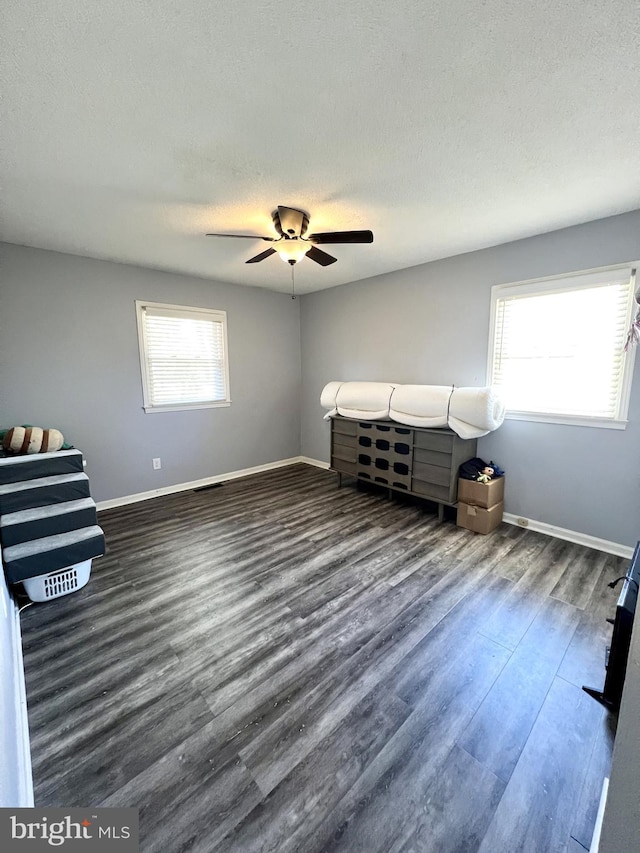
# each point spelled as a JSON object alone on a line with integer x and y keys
{"x": 190, "y": 798}
{"x": 458, "y": 809}
{"x": 324, "y": 579}
{"x": 584, "y": 661}
{"x": 153, "y": 720}
{"x": 573, "y": 846}
{"x": 577, "y": 583}
{"x": 500, "y": 728}
{"x": 95, "y": 682}
{"x": 274, "y": 752}
{"x": 283, "y": 821}
{"x": 294, "y": 666}
{"x": 511, "y": 622}
{"x": 414, "y": 676}
{"x": 316, "y": 714}
{"x": 598, "y": 769}
{"x": 376, "y": 606}
{"x": 527, "y": 547}
{"x": 312, "y": 646}
{"x": 544, "y": 791}
{"x": 392, "y": 792}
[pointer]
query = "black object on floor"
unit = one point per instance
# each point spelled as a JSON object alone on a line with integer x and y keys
{"x": 618, "y": 652}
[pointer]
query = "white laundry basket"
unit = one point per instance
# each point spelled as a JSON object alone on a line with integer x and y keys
{"x": 55, "y": 584}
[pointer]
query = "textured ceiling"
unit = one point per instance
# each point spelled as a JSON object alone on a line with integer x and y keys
{"x": 129, "y": 129}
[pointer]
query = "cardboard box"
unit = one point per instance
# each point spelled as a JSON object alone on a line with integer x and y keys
{"x": 481, "y": 494}
{"x": 479, "y": 519}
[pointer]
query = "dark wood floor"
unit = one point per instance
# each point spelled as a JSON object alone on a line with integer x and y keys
{"x": 279, "y": 665}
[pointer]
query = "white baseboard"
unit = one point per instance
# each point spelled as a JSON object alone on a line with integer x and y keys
{"x": 196, "y": 484}
{"x": 315, "y": 462}
{"x": 570, "y": 535}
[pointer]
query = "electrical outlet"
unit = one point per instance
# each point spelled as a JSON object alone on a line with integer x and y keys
{"x": 157, "y": 464}
{"x": 523, "y": 522}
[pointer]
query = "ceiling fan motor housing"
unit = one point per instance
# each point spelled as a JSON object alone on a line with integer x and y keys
{"x": 290, "y": 222}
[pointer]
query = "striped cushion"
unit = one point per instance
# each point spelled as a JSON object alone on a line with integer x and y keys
{"x": 42, "y": 491}
{"x": 51, "y": 553}
{"x": 14, "y": 469}
{"x": 28, "y": 524}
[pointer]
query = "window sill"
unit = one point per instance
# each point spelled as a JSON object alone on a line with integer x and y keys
{"x": 152, "y": 410}
{"x": 569, "y": 420}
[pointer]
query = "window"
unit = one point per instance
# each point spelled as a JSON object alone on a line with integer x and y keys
{"x": 183, "y": 357}
{"x": 556, "y": 348}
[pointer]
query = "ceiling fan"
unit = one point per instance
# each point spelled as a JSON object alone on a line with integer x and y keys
{"x": 293, "y": 244}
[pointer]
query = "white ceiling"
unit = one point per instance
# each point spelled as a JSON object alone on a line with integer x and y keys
{"x": 132, "y": 128}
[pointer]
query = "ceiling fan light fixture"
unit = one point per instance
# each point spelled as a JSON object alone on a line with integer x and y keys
{"x": 292, "y": 250}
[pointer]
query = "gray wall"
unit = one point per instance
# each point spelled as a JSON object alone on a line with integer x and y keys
{"x": 429, "y": 325}
{"x": 69, "y": 359}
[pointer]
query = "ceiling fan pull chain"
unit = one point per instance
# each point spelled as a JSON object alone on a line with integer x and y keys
{"x": 293, "y": 283}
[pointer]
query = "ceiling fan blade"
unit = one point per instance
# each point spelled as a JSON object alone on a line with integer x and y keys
{"x": 320, "y": 257}
{"x": 292, "y": 221}
{"x": 261, "y": 256}
{"x": 342, "y": 237}
{"x": 244, "y": 236}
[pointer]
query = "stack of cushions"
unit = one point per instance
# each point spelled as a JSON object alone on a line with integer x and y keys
{"x": 48, "y": 520}
{"x": 470, "y": 412}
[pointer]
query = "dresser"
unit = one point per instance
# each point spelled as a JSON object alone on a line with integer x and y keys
{"x": 420, "y": 461}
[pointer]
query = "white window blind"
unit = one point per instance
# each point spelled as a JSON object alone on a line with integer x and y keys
{"x": 558, "y": 347}
{"x": 183, "y": 354}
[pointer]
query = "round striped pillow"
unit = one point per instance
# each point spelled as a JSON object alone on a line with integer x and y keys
{"x": 32, "y": 440}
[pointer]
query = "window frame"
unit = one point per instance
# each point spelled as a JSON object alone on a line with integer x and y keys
{"x": 214, "y": 314}
{"x": 580, "y": 280}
